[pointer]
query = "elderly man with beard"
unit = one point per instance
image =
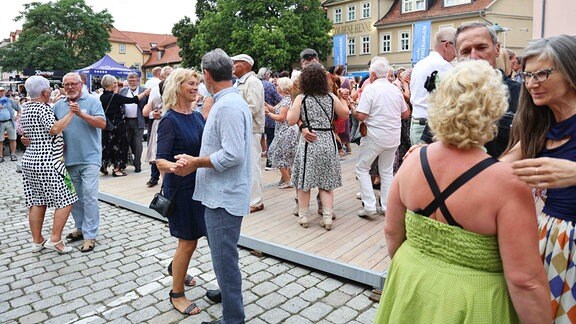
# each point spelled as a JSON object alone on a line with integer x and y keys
{"x": 83, "y": 156}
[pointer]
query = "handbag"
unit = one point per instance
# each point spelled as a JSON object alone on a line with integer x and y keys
{"x": 161, "y": 204}
{"x": 109, "y": 125}
{"x": 363, "y": 129}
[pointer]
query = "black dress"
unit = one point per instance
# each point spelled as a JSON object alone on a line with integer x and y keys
{"x": 177, "y": 134}
{"x": 115, "y": 142}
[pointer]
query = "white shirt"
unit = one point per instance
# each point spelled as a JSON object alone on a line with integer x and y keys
{"x": 150, "y": 83}
{"x": 131, "y": 110}
{"x": 422, "y": 70}
{"x": 384, "y": 103}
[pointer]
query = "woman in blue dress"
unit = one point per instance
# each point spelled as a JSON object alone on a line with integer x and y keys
{"x": 180, "y": 132}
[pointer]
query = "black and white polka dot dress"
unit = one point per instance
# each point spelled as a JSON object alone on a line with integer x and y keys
{"x": 46, "y": 182}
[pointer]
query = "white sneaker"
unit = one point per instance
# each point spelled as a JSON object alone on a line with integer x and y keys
{"x": 365, "y": 212}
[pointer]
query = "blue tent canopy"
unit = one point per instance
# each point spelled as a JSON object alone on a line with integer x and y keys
{"x": 107, "y": 65}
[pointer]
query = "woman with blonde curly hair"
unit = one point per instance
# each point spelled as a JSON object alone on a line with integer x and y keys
{"x": 457, "y": 219}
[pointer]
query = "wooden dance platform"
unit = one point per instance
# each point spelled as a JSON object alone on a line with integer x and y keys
{"x": 355, "y": 248}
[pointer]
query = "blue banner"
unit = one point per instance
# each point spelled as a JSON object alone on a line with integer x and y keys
{"x": 421, "y": 45}
{"x": 339, "y": 49}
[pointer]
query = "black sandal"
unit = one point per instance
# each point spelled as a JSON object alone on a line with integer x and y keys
{"x": 188, "y": 281}
{"x": 88, "y": 246}
{"x": 119, "y": 173}
{"x": 104, "y": 170}
{"x": 189, "y": 310}
{"x": 74, "y": 236}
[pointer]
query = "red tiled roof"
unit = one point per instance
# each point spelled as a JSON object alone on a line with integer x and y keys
{"x": 436, "y": 10}
{"x": 119, "y": 37}
{"x": 144, "y": 40}
{"x": 170, "y": 56}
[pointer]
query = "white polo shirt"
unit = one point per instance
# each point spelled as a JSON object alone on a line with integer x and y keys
{"x": 384, "y": 104}
{"x": 422, "y": 70}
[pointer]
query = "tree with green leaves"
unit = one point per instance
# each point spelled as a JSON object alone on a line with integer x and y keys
{"x": 273, "y": 32}
{"x": 62, "y": 35}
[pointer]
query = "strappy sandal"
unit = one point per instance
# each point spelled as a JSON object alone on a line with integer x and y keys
{"x": 88, "y": 245}
{"x": 74, "y": 236}
{"x": 190, "y": 310}
{"x": 188, "y": 281}
{"x": 49, "y": 245}
{"x": 119, "y": 173}
{"x": 37, "y": 247}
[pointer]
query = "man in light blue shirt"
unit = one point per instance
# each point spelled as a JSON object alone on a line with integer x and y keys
{"x": 223, "y": 179}
{"x": 8, "y": 108}
{"x": 83, "y": 156}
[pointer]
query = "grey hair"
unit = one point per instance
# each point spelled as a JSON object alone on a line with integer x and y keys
{"x": 35, "y": 85}
{"x": 263, "y": 73}
{"x": 285, "y": 84}
{"x": 165, "y": 72}
{"x": 219, "y": 64}
{"x": 380, "y": 66}
{"x": 473, "y": 25}
{"x": 132, "y": 75}
{"x": 72, "y": 75}
{"x": 445, "y": 34}
{"x": 107, "y": 81}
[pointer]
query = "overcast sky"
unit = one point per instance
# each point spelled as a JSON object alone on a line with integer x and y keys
{"x": 137, "y": 16}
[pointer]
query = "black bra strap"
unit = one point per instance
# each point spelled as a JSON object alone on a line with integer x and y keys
{"x": 440, "y": 199}
{"x": 435, "y": 190}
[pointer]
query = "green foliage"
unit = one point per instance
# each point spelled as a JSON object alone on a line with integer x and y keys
{"x": 62, "y": 35}
{"x": 272, "y": 32}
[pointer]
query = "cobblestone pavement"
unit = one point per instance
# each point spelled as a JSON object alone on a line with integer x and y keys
{"x": 124, "y": 280}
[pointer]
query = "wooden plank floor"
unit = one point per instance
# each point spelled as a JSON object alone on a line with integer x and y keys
{"x": 354, "y": 241}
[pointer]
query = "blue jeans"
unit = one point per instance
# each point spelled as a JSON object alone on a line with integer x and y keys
{"x": 86, "y": 212}
{"x": 223, "y": 234}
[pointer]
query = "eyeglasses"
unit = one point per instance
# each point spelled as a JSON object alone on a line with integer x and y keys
{"x": 538, "y": 76}
{"x": 71, "y": 84}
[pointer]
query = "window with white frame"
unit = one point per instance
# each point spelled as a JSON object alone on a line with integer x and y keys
{"x": 366, "y": 10}
{"x": 351, "y": 46}
{"x": 351, "y": 13}
{"x": 122, "y": 48}
{"x": 404, "y": 44}
{"x": 365, "y": 45}
{"x": 337, "y": 15}
{"x": 449, "y": 3}
{"x": 386, "y": 43}
{"x": 413, "y": 5}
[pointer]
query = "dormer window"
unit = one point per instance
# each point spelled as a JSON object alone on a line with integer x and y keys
{"x": 413, "y": 5}
{"x": 152, "y": 45}
{"x": 159, "y": 55}
{"x": 450, "y": 3}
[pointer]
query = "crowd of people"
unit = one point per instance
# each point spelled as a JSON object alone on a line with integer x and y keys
{"x": 470, "y": 115}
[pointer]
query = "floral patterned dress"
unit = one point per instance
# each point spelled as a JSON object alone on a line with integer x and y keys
{"x": 283, "y": 148}
{"x": 317, "y": 164}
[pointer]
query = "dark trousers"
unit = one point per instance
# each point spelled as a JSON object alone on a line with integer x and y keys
{"x": 154, "y": 172}
{"x": 135, "y": 138}
{"x": 269, "y": 137}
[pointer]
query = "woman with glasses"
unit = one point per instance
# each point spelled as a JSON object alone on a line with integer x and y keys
{"x": 46, "y": 181}
{"x": 543, "y": 144}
